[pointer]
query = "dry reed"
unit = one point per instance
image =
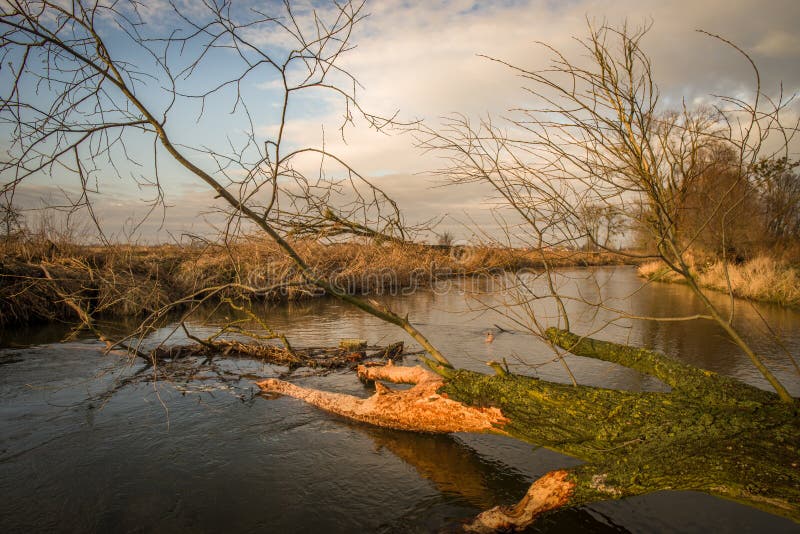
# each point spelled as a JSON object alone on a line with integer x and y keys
{"x": 129, "y": 280}
{"x": 762, "y": 278}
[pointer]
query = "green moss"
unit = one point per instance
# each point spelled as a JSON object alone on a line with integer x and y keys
{"x": 676, "y": 374}
{"x": 710, "y": 433}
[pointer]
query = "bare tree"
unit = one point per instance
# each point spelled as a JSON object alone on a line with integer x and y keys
{"x": 11, "y": 220}
{"x": 593, "y": 139}
{"x": 778, "y": 183}
{"x": 446, "y": 239}
{"x": 603, "y": 224}
{"x": 600, "y": 140}
{"x": 90, "y": 80}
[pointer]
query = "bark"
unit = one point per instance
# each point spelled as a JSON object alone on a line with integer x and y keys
{"x": 293, "y": 358}
{"x": 709, "y": 433}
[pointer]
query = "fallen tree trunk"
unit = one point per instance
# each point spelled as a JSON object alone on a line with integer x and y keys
{"x": 293, "y": 358}
{"x": 420, "y": 408}
{"x": 710, "y": 433}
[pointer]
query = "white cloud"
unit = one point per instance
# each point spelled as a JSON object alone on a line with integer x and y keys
{"x": 422, "y": 58}
{"x": 779, "y": 44}
{"x": 269, "y": 85}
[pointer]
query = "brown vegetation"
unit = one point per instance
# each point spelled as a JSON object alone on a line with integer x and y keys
{"x": 740, "y": 228}
{"x": 762, "y": 279}
{"x": 128, "y": 280}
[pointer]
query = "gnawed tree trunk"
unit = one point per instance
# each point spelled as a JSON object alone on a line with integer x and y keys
{"x": 420, "y": 408}
{"x": 710, "y": 433}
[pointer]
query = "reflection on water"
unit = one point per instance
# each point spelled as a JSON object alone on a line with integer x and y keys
{"x": 152, "y": 459}
{"x": 701, "y": 342}
{"x": 452, "y": 467}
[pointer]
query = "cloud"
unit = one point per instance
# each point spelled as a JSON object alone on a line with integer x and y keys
{"x": 123, "y": 217}
{"x": 269, "y": 85}
{"x": 779, "y": 44}
{"x": 422, "y": 58}
{"x": 425, "y": 56}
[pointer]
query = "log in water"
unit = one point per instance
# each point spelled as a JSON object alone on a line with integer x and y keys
{"x": 192, "y": 457}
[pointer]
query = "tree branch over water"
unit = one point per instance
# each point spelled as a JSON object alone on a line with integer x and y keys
{"x": 93, "y": 85}
{"x": 85, "y": 82}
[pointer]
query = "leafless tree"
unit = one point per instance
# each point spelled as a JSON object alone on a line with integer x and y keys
{"x": 78, "y": 100}
{"x": 446, "y": 239}
{"x": 89, "y": 84}
{"x": 603, "y": 224}
{"x": 11, "y": 220}
{"x": 778, "y": 184}
{"x": 593, "y": 139}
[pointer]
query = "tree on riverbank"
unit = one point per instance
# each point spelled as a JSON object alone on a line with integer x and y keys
{"x": 598, "y": 137}
{"x": 98, "y": 62}
{"x": 778, "y": 184}
{"x": 613, "y": 149}
{"x": 593, "y": 137}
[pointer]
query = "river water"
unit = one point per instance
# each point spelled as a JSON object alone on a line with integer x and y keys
{"x": 161, "y": 457}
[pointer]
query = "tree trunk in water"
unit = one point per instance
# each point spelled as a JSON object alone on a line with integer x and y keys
{"x": 710, "y": 433}
{"x": 420, "y": 408}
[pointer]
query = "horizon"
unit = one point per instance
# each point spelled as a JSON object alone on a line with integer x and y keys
{"x": 424, "y": 61}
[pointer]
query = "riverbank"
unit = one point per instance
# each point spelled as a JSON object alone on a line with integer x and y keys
{"x": 761, "y": 279}
{"x": 38, "y": 278}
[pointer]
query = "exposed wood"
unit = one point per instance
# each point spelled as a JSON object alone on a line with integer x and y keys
{"x": 549, "y": 492}
{"x": 421, "y": 408}
{"x": 711, "y": 433}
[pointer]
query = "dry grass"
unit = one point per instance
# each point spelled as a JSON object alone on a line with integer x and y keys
{"x": 128, "y": 280}
{"x": 763, "y": 279}
{"x": 658, "y": 272}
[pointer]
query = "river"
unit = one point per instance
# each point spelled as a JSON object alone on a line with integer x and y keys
{"x": 161, "y": 457}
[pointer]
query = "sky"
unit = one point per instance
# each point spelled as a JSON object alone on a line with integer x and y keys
{"x": 423, "y": 60}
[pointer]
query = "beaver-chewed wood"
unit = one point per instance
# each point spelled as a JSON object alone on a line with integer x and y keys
{"x": 709, "y": 433}
{"x": 420, "y": 408}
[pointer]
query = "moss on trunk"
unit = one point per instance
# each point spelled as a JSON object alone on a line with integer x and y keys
{"x": 709, "y": 433}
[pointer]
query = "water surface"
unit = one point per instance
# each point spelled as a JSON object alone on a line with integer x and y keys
{"x": 161, "y": 457}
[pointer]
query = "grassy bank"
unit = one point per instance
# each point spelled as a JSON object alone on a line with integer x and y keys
{"x": 762, "y": 279}
{"x": 38, "y": 277}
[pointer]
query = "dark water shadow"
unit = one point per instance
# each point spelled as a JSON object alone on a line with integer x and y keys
{"x": 467, "y": 478}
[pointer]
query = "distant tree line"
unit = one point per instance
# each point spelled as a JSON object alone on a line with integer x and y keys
{"x": 727, "y": 209}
